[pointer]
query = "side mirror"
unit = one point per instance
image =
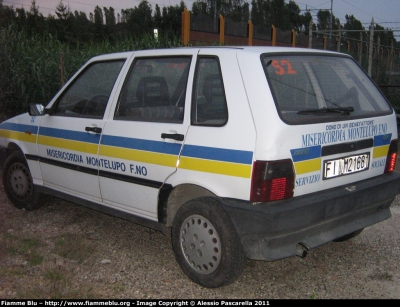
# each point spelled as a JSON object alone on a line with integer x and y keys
{"x": 36, "y": 110}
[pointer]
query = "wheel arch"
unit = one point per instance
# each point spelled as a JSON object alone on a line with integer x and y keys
{"x": 12, "y": 147}
{"x": 181, "y": 194}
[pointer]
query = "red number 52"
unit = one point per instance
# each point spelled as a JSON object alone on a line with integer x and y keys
{"x": 283, "y": 67}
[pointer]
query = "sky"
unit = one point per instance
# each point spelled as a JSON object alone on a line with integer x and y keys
{"x": 384, "y": 12}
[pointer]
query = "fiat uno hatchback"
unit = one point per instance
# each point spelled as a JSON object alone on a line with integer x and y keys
{"x": 242, "y": 152}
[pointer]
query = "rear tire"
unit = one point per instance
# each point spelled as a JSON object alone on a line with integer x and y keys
{"x": 206, "y": 244}
{"x": 18, "y": 183}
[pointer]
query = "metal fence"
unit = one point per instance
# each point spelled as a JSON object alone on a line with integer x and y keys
{"x": 381, "y": 62}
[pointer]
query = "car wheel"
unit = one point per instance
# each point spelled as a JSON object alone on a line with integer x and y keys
{"x": 206, "y": 244}
{"x": 18, "y": 183}
{"x": 349, "y": 236}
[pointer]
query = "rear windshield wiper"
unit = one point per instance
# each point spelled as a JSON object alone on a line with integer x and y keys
{"x": 323, "y": 111}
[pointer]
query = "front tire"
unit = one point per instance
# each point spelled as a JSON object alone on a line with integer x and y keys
{"x": 206, "y": 244}
{"x": 18, "y": 183}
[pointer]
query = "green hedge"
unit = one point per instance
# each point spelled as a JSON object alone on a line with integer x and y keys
{"x": 31, "y": 69}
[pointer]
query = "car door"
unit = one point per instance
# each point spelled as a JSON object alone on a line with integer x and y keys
{"x": 141, "y": 144}
{"x": 219, "y": 144}
{"x": 68, "y": 138}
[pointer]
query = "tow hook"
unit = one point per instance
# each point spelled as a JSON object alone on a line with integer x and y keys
{"x": 301, "y": 250}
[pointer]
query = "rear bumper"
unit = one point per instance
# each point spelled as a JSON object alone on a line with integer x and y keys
{"x": 271, "y": 231}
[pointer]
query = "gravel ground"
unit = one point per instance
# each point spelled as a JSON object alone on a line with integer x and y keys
{"x": 64, "y": 250}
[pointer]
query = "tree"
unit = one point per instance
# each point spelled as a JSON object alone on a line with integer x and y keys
{"x": 62, "y": 11}
{"x": 110, "y": 16}
{"x": 34, "y": 9}
{"x": 305, "y": 21}
{"x": 285, "y": 16}
{"x": 172, "y": 20}
{"x": 324, "y": 17}
{"x": 258, "y": 12}
{"x": 279, "y": 15}
{"x": 139, "y": 19}
{"x": 386, "y": 36}
{"x": 143, "y": 14}
{"x": 80, "y": 29}
{"x": 7, "y": 14}
{"x": 199, "y": 7}
{"x": 99, "y": 31}
{"x": 35, "y": 20}
{"x": 98, "y": 16}
{"x": 352, "y": 24}
{"x": 239, "y": 10}
{"x": 157, "y": 17}
{"x": 294, "y": 15}
{"x": 21, "y": 14}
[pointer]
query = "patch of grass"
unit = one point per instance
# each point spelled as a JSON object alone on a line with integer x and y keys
{"x": 74, "y": 247}
{"x": 29, "y": 248}
{"x": 3, "y": 245}
{"x": 35, "y": 259}
{"x": 118, "y": 288}
{"x": 54, "y": 275}
{"x": 22, "y": 245}
{"x": 57, "y": 282}
{"x": 14, "y": 271}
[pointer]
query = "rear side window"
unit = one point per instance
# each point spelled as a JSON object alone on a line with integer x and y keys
{"x": 209, "y": 101}
{"x": 317, "y": 88}
{"x": 155, "y": 90}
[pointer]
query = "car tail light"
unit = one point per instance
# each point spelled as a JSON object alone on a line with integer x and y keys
{"x": 272, "y": 180}
{"x": 391, "y": 157}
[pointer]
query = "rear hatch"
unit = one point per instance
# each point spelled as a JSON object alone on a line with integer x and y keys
{"x": 339, "y": 128}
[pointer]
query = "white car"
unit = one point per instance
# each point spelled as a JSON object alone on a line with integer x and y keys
{"x": 243, "y": 152}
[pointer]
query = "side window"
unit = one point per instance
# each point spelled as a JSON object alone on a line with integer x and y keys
{"x": 209, "y": 101}
{"x": 88, "y": 95}
{"x": 155, "y": 90}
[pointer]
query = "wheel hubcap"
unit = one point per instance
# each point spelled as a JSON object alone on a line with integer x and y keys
{"x": 20, "y": 181}
{"x": 200, "y": 244}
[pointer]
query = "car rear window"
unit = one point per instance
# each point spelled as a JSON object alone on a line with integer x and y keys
{"x": 318, "y": 88}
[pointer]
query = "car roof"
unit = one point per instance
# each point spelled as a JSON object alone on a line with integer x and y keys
{"x": 244, "y": 49}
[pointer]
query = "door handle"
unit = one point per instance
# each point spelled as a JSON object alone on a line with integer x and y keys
{"x": 174, "y": 136}
{"x": 93, "y": 129}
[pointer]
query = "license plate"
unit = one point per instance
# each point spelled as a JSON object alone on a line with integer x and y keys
{"x": 346, "y": 165}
